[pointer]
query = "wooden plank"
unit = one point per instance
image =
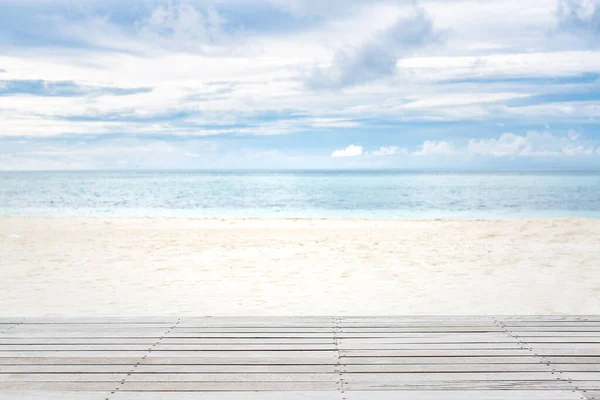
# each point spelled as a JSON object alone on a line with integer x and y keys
{"x": 170, "y": 341}
{"x": 490, "y": 352}
{"x": 438, "y": 318}
{"x": 171, "y": 377}
{"x": 6, "y": 343}
{"x": 168, "y": 347}
{"x": 157, "y": 332}
{"x": 521, "y": 329}
{"x": 343, "y": 345}
{"x": 256, "y": 354}
{"x": 349, "y": 335}
{"x": 558, "y": 334}
{"x": 27, "y": 394}
{"x": 246, "y": 347}
{"x": 170, "y": 386}
{"x": 274, "y": 395}
{"x": 75, "y": 377}
{"x": 468, "y": 353}
{"x": 99, "y": 326}
{"x": 289, "y": 395}
{"x": 465, "y": 395}
{"x": 259, "y": 325}
{"x": 247, "y": 353}
{"x": 311, "y": 368}
{"x": 409, "y": 377}
{"x": 591, "y": 346}
{"x": 487, "y": 367}
{"x": 82, "y": 335}
{"x": 169, "y": 368}
{"x": 69, "y": 354}
{"x": 460, "y": 385}
{"x": 327, "y": 330}
{"x": 538, "y": 376}
{"x": 66, "y": 369}
{"x": 158, "y": 360}
{"x": 299, "y": 335}
{"x": 96, "y": 320}
{"x": 63, "y": 359}
{"x": 525, "y": 359}
{"x": 73, "y": 347}
{"x": 512, "y": 324}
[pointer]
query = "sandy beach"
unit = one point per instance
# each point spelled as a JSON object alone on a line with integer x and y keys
{"x": 87, "y": 266}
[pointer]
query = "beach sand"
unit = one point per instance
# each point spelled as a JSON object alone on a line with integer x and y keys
{"x": 93, "y": 266}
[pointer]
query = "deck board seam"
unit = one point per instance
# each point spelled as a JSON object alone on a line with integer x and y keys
{"x": 543, "y": 360}
{"x": 340, "y": 367}
{"x": 140, "y": 361}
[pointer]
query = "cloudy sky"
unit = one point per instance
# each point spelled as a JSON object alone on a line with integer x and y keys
{"x": 299, "y": 84}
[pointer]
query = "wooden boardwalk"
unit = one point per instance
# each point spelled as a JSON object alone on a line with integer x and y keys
{"x": 351, "y": 358}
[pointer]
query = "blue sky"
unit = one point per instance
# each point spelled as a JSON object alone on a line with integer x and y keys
{"x": 299, "y": 84}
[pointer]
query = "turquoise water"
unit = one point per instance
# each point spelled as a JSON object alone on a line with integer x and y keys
{"x": 309, "y": 194}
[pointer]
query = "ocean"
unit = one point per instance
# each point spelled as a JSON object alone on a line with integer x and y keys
{"x": 304, "y": 194}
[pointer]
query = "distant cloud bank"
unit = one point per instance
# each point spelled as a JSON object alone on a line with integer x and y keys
{"x": 532, "y": 144}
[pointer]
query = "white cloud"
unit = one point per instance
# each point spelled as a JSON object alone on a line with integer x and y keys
{"x": 376, "y": 58}
{"x": 389, "y": 151}
{"x": 533, "y": 144}
{"x": 435, "y": 148}
{"x": 181, "y": 25}
{"x": 350, "y": 151}
{"x": 358, "y": 151}
{"x": 580, "y": 17}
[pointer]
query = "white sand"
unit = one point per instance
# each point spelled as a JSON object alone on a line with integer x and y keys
{"x": 180, "y": 266}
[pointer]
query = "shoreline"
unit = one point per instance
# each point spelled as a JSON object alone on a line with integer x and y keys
{"x": 356, "y": 219}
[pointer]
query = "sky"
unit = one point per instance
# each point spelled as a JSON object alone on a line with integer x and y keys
{"x": 252, "y": 84}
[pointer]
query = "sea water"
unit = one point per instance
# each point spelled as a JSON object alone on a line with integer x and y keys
{"x": 304, "y": 194}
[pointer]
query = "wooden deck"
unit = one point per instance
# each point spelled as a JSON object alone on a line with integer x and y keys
{"x": 352, "y": 358}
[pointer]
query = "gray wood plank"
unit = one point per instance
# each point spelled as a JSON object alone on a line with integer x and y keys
{"x": 165, "y": 340}
{"x": 330, "y": 359}
{"x": 489, "y": 352}
{"x": 344, "y": 345}
{"x": 487, "y": 367}
{"x": 246, "y": 353}
{"x": 463, "y": 340}
{"x": 460, "y": 385}
{"x": 540, "y": 376}
{"x": 171, "y": 377}
{"x": 26, "y": 394}
{"x": 468, "y": 353}
{"x": 469, "y": 360}
{"x": 69, "y": 354}
{"x": 170, "y": 368}
{"x": 465, "y": 395}
{"x": 63, "y": 359}
{"x": 229, "y": 356}
{"x": 289, "y": 395}
{"x": 311, "y": 368}
{"x": 169, "y": 386}
{"x": 170, "y": 347}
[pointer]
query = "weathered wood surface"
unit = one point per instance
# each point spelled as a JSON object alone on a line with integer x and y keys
{"x": 351, "y": 358}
